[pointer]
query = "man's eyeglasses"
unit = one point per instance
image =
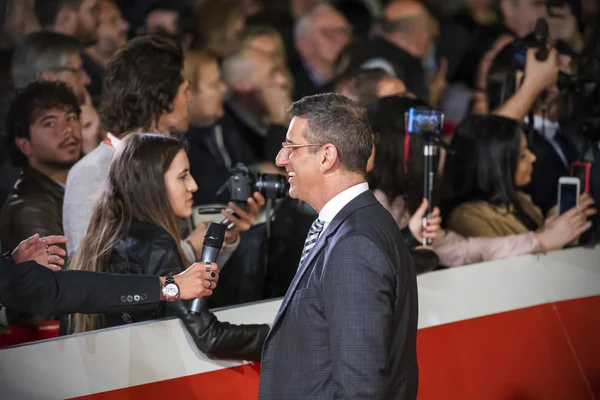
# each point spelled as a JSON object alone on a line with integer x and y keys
{"x": 288, "y": 148}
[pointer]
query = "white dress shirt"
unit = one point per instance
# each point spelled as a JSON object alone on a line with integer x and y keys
{"x": 335, "y": 205}
{"x": 112, "y": 140}
{"x": 548, "y": 130}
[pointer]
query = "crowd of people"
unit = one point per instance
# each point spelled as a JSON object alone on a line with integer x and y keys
{"x": 123, "y": 120}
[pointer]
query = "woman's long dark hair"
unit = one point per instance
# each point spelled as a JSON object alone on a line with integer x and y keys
{"x": 135, "y": 189}
{"x": 485, "y": 157}
{"x": 386, "y": 117}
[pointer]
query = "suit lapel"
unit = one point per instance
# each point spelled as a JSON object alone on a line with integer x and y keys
{"x": 362, "y": 200}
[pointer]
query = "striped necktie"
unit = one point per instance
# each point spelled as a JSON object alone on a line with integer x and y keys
{"x": 311, "y": 239}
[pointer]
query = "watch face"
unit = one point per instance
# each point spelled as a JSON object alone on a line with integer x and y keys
{"x": 171, "y": 290}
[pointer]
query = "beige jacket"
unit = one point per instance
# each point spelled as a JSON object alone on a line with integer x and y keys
{"x": 480, "y": 218}
{"x": 454, "y": 249}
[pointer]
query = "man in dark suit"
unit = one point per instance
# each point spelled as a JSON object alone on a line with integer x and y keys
{"x": 347, "y": 325}
{"x": 29, "y": 283}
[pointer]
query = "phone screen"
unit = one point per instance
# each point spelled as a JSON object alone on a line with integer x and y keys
{"x": 568, "y": 197}
{"x": 424, "y": 120}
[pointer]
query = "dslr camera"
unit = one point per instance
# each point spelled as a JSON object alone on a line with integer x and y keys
{"x": 244, "y": 182}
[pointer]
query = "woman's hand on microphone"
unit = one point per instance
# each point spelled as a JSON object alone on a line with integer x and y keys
{"x": 196, "y": 281}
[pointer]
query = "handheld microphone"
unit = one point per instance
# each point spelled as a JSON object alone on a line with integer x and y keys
{"x": 213, "y": 241}
{"x": 541, "y": 35}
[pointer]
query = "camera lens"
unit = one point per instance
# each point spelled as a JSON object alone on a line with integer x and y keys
{"x": 272, "y": 186}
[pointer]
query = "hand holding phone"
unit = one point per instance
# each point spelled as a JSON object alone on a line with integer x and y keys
{"x": 568, "y": 193}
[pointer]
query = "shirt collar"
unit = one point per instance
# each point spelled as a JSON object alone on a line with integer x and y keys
{"x": 313, "y": 75}
{"x": 545, "y": 127}
{"x": 335, "y": 205}
{"x": 112, "y": 140}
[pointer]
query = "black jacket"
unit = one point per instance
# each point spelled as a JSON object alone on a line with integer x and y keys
{"x": 547, "y": 170}
{"x": 33, "y": 206}
{"x": 149, "y": 250}
{"x": 31, "y": 288}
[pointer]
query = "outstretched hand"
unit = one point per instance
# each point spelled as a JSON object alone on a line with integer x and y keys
{"x": 41, "y": 250}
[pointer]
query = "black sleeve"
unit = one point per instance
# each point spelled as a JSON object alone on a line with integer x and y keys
{"x": 32, "y": 288}
{"x": 214, "y": 338}
{"x": 219, "y": 339}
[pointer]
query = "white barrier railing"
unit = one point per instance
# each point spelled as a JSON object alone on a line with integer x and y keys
{"x": 145, "y": 353}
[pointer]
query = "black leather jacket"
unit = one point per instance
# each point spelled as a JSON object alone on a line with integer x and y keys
{"x": 148, "y": 249}
{"x": 33, "y": 206}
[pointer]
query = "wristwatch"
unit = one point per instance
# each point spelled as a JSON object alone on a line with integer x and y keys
{"x": 170, "y": 290}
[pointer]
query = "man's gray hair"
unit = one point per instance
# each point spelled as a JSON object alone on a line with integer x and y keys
{"x": 337, "y": 120}
{"x": 303, "y": 25}
{"x": 39, "y": 52}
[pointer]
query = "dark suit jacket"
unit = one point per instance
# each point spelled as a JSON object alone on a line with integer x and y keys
{"x": 547, "y": 170}
{"x": 347, "y": 326}
{"x": 31, "y": 288}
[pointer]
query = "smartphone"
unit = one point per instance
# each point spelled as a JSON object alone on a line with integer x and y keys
{"x": 424, "y": 120}
{"x": 581, "y": 170}
{"x": 568, "y": 193}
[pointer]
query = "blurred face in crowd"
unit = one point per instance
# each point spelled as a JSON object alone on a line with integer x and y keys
{"x": 267, "y": 45}
{"x": 90, "y": 126}
{"x": 207, "y": 98}
{"x": 525, "y": 164}
{"x": 327, "y": 35}
{"x": 177, "y": 119}
{"x": 265, "y": 72}
{"x": 54, "y": 139}
{"x": 425, "y": 28}
{"x": 72, "y": 74}
{"x": 180, "y": 185}
{"x": 521, "y": 15}
{"x": 112, "y": 31}
{"x": 88, "y": 20}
